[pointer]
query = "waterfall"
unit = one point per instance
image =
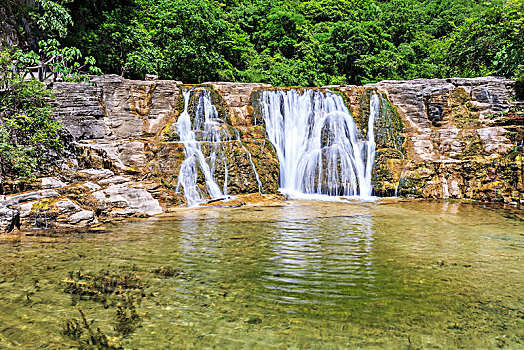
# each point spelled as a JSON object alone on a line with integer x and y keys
{"x": 318, "y": 144}
{"x": 205, "y": 138}
{"x": 207, "y": 126}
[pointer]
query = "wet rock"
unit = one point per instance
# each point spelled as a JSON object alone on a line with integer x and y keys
{"x": 429, "y": 124}
{"x": 432, "y": 106}
{"x": 236, "y": 94}
{"x": 129, "y": 200}
{"x": 52, "y": 182}
{"x": 66, "y": 206}
{"x": 494, "y": 140}
{"x": 9, "y": 219}
{"x": 84, "y": 217}
{"x": 96, "y": 174}
{"x": 483, "y": 179}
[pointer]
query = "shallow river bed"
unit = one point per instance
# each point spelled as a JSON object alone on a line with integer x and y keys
{"x": 305, "y": 275}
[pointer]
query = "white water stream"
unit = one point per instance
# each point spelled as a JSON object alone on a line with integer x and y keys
{"x": 205, "y": 123}
{"x": 318, "y": 144}
{"x": 205, "y": 127}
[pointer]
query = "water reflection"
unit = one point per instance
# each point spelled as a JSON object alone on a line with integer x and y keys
{"x": 306, "y": 275}
{"x": 318, "y": 261}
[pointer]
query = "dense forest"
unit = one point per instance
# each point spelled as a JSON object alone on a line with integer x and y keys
{"x": 287, "y": 42}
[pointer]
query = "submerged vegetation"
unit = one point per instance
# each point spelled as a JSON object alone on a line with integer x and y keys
{"x": 120, "y": 290}
{"x": 307, "y": 275}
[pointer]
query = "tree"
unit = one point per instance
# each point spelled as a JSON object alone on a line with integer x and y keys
{"x": 491, "y": 42}
{"x": 64, "y": 62}
{"x": 29, "y": 134}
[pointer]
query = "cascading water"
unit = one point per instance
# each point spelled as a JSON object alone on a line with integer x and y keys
{"x": 317, "y": 143}
{"x": 207, "y": 124}
{"x": 208, "y": 129}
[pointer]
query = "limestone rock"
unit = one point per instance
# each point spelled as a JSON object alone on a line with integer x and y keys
{"x": 96, "y": 174}
{"x": 28, "y": 197}
{"x": 444, "y": 126}
{"x": 79, "y": 109}
{"x": 92, "y": 186}
{"x": 151, "y": 77}
{"x": 52, "y": 182}
{"x": 115, "y": 180}
{"x": 122, "y": 153}
{"x": 48, "y": 193}
{"x": 84, "y": 217}
{"x": 129, "y": 200}
{"x": 132, "y": 154}
{"x": 9, "y": 219}
{"x": 21, "y": 198}
{"x": 66, "y": 206}
{"x": 136, "y": 108}
{"x": 429, "y": 105}
{"x": 236, "y": 94}
{"x": 494, "y": 140}
{"x": 25, "y": 209}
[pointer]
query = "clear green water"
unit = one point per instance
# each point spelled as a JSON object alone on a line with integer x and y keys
{"x": 301, "y": 276}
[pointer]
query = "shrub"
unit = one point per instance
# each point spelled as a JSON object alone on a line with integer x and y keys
{"x": 29, "y": 134}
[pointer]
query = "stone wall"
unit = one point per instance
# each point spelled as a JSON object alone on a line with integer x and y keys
{"x": 444, "y": 116}
{"x": 426, "y": 124}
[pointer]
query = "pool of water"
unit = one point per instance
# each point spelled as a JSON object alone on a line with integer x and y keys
{"x": 305, "y": 275}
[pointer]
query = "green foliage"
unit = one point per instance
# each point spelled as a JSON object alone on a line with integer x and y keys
{"x": 29, "y": 134}
{"x": 65, "y": 61}
{"x": 292, "y": 42}
{"x": 491, "y": 42}
{"x": 53, "y": 17}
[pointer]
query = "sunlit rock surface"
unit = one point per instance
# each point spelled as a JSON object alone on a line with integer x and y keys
{"x": 464, "y": 138}
{"x": 439, "y": 138}
{"x": 439, "y": 128}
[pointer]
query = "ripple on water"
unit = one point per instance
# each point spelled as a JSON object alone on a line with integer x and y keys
{"x": 305, "y": 275}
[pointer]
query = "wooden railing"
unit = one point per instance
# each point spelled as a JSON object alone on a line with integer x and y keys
{"x": 41, "y": 72}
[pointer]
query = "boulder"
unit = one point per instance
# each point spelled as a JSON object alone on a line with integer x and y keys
{"x": 129, "y": 200}
{"x": 9, "y": 219}
{"x": 28, "y": 197}
{"x": 84, "y": 218}
{"x": 51, "y": 182}
{"x": 67, "y": 206}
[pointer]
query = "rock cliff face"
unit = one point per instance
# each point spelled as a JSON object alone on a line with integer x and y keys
{"x": 464, "y": 138}
{"x": 440, "y": 138}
